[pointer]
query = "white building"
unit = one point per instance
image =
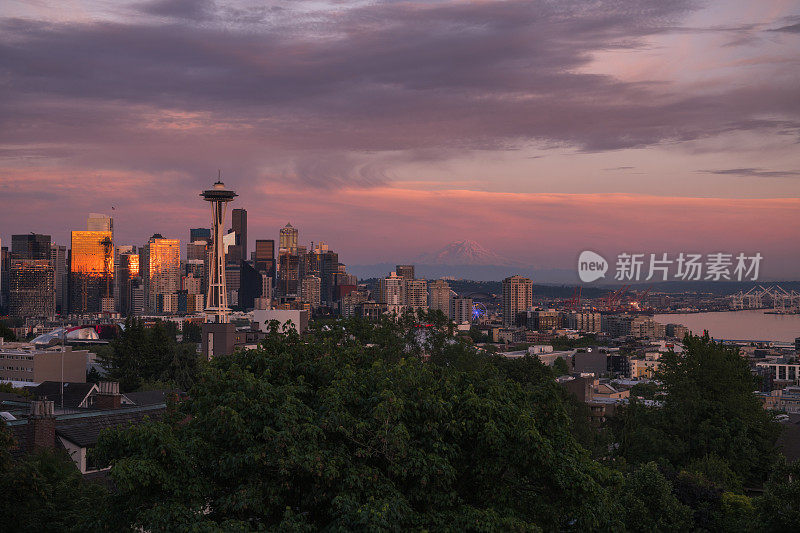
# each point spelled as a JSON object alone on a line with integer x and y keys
{"x": 298, "y": 318}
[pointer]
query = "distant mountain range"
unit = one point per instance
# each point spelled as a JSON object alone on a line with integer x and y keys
{"x": 466, "y": 259}
{"x": 464, "y": 252}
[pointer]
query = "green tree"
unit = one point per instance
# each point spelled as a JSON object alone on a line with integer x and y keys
{"x": 560, "y": 367}
{"x": 11, "y": 389}
{"x": 778, "y": 509}
{"x": 142, "y": 355}
{"x": 327, "y": 432}
{"x": 192, "y": 332}
{"x": 6, "y": 333}
{"x": 45, "y": 492}
{"x": 707, "y": 413}
{"x": 649, "y": 504}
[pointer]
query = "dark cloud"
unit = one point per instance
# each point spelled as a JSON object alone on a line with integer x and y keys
{"x": 619, "y": 168}
{"x": 792, "y": 28}
{"x": 755, "y": 173}
{"x": 180, "y": 9}
{"x": 286, "y": 96}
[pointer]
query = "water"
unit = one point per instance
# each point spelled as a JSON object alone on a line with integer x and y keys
{"x": 738, "y": 325}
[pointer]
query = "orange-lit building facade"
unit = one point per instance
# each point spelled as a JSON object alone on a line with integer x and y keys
{"x": 91, "y": 270}
{"x": 126, "y": 275}
{"x": 161, "y": 270}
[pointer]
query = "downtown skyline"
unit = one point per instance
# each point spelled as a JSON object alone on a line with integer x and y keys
{"x": 389, "y": 130}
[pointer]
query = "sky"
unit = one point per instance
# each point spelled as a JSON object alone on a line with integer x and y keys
{"x": 390, "y": 128}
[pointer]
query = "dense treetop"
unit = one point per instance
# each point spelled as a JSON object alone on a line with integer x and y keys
{"x": 391, "y": 426}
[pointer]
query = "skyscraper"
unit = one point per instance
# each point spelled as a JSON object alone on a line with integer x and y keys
{"x": 30, "y": 277}
{"x": 310, "y": 291}
{"x": 406, "y": 272}
{"x": 197, "y": 251}
{"x": 391, "y": 291}
{"x": 517, "y": 297}
{"x": 323, "y": 263}
{"x": 100, "y": 222}
{"x": 461, "y": 310}
{"x": 265, "y": 256}
{"x": 30, "y": 246}
{"x": 288, "y": 272}
{"x": 416, "y": 294}
{"x": 160, "y": 265}
{"x": 250, "y": 282}
{"x": 59, "y": 258}
{"x": 440, "y": 296}
{"x": 199, "y": 234}
{"x": 91, "y": 271}
{"x": 5, "y": 259}
{"x": 128, "y": 279}
{"x": 239, "y": 226}
{"x": 288, "y": 238}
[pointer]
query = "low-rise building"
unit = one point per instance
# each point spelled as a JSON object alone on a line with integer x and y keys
{"x": 644, "y": 368}
{"x": 782, "y": 371}
{"x": 786, "y": 399}
{"x": 298, "y": 318}
{"x": 24, "y": 362}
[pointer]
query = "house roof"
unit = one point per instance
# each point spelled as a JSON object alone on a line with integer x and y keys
{"x": 74, "y": 393}
{"x": 83, "y": 430}
{"x": 151, "y": 397}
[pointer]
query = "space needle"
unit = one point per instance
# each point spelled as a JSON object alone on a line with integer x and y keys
{"x": 217, "y": 331}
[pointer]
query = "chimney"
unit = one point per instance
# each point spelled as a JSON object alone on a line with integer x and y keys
{"x": 41, "y": 425}
{"x": 108, "y": 397}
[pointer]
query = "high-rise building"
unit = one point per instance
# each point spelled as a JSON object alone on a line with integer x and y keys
{"x": 323, "y": 263}
{"x": 406, "y": 272}
{"x": 266, "y": 286}
{"x": 128, "y": 278}
{"x": 100, "y": 222}
{"x": 5, "y": 259}
{"x": 137, "y": 297}
{"x": 199, "y": 234}
{"x": 288, "y": 238}
{"x": 517, "y": 297}
{"x": 461, "y": 310}
{"x": 31, "y": 289}
{"x": 310, "y": 290}
{"x": 197, "y": 250}
{"x": 250, "y": 282}
{"x": 239, "y": 226}
{"x": 440, "y": 296}
{"x": 161, "y": 270}
{"x": 265, "y": 256}
{"x": 350, "y": 302}
{"x": 30, "y": 246}
{"x": 416, "y": 294}
{"x": 59, "y": 257}
{"x": 91, "y": 271}
{"x": 391, "y": 291}
{"x": 288, "y": 273}
{"x": 191, "y": 284}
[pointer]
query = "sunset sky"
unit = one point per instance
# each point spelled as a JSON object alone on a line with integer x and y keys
{"x": 388, "y": 129}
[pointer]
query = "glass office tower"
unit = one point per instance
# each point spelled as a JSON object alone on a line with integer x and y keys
{"x": 91, "y": 270}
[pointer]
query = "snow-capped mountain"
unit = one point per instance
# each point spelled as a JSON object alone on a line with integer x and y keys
{"x": 463, "y": 252}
